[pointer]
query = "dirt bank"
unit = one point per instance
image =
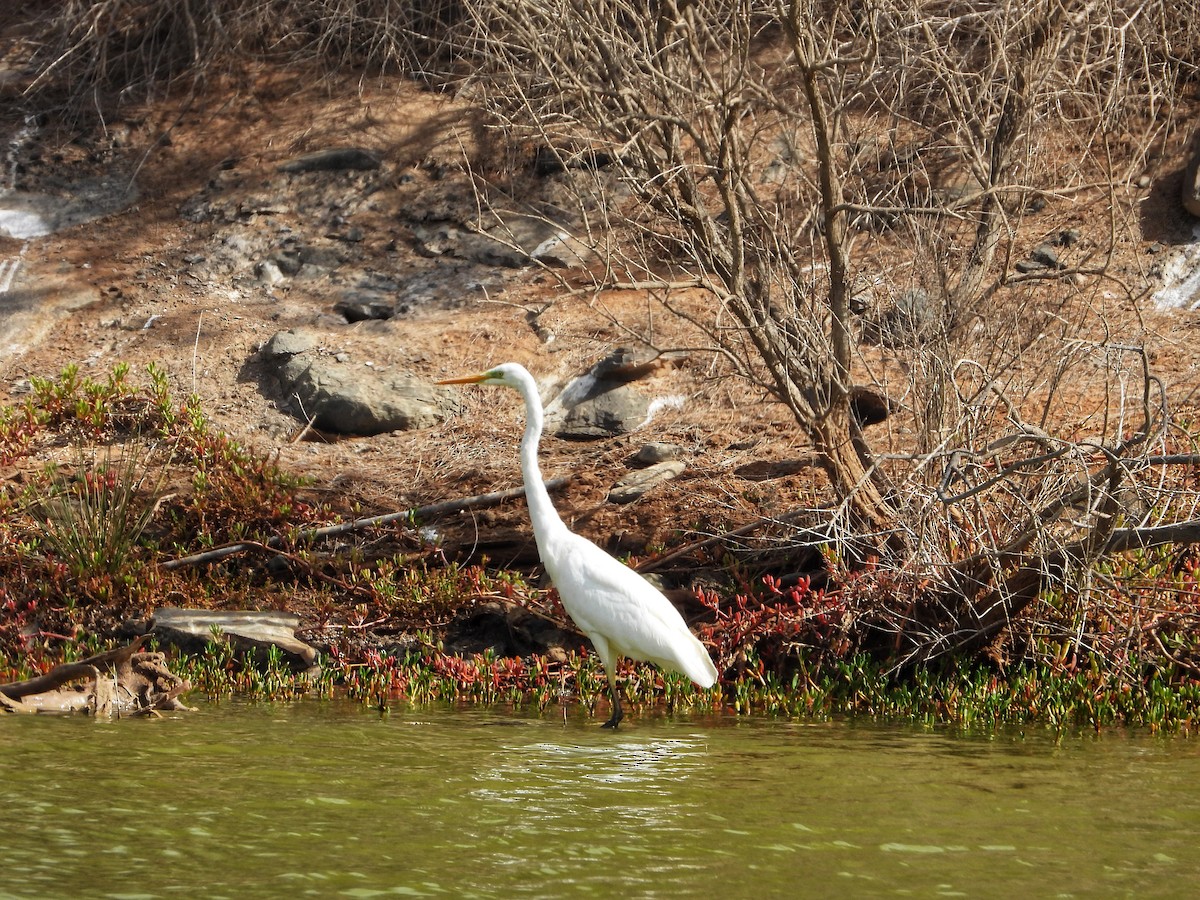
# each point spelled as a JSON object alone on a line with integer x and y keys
{"x": 177, "y": 278}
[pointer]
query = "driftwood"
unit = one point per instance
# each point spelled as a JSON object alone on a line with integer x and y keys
{"x": 120, "y": 682}
{"x": 250, "y": 633}
{"x": 419, "y": 514}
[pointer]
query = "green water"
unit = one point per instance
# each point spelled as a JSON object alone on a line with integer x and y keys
{"x": 333, "y": 800}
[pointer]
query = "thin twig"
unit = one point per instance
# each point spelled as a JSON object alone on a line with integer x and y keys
{"x": 818, "y": 535}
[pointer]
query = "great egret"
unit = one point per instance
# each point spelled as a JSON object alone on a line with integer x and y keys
{"x": 620, "y": 611}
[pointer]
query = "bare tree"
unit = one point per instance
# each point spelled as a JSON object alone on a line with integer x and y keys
{"x": 763, "y": 150}
{"x": 689, "y": 103}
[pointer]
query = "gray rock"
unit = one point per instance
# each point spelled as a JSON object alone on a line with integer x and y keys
{"x": 360, "y": 308}
{"x": 334, "y": 159}
{"x": 288, "y": 343}
{"x": 656, "y": 452}
{"x": 192, "y": 629}
{"x": 348, "y": 400}
{"x": 604, "y": 412}
{"x": 1191, "y": 177}
{"x": 1046, "y": 255}
{"x": 638, "y": 483}
{"x": 268, "y": 272}
{"x": 351, "y": 400}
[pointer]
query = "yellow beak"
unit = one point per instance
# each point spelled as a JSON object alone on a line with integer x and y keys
{"x": 465, "y": 379}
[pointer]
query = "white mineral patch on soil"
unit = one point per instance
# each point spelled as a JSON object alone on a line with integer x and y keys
{"x": 25, "y": 215}
{"x": 1181, "y": 278}
{"x": 22, "y": 224}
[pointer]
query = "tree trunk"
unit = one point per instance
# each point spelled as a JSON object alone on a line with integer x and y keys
{"x": 854, "y": 484}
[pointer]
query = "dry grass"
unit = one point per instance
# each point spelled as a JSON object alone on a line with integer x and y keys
{"x": 135, "y": 49}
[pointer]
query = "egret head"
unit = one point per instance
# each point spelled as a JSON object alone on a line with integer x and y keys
{"x": 505, "y": 374}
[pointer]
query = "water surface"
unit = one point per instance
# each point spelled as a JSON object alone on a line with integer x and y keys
{"x": 329, "y": 799}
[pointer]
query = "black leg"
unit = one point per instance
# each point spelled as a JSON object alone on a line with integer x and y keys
{"x": 617, "y": 714}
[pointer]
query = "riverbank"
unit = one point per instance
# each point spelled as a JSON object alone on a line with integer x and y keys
{"x": 203, "y": 385}
{"x": 96, "y": 544}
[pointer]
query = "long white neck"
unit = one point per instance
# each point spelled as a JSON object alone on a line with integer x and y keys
{"x": 541, "y": 511}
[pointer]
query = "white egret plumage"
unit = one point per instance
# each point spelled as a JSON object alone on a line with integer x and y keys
{"x": 621, "y": 612}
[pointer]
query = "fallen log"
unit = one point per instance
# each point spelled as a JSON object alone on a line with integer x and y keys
{"x": 250, "y": 632}
{"x": 120, "y": 682}
{"x": 419, "y": 514}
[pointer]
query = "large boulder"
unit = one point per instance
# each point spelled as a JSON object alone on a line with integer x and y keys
{"x": 351, "y": 400}
{"x": 346, "y": 399}
{"x": 604, "y": 411}
{"x": 601, "y": 402}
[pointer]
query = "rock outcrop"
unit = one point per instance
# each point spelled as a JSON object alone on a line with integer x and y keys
{"x": 342, "y": 398}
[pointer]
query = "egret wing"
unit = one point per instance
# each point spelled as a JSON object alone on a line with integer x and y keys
{"x": 606, "y": 597}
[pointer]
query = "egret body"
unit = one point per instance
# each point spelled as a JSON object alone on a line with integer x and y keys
{"x": 620, "y": 611}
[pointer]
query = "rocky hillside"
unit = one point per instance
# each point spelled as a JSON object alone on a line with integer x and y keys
{"x": 310, "y": 259}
